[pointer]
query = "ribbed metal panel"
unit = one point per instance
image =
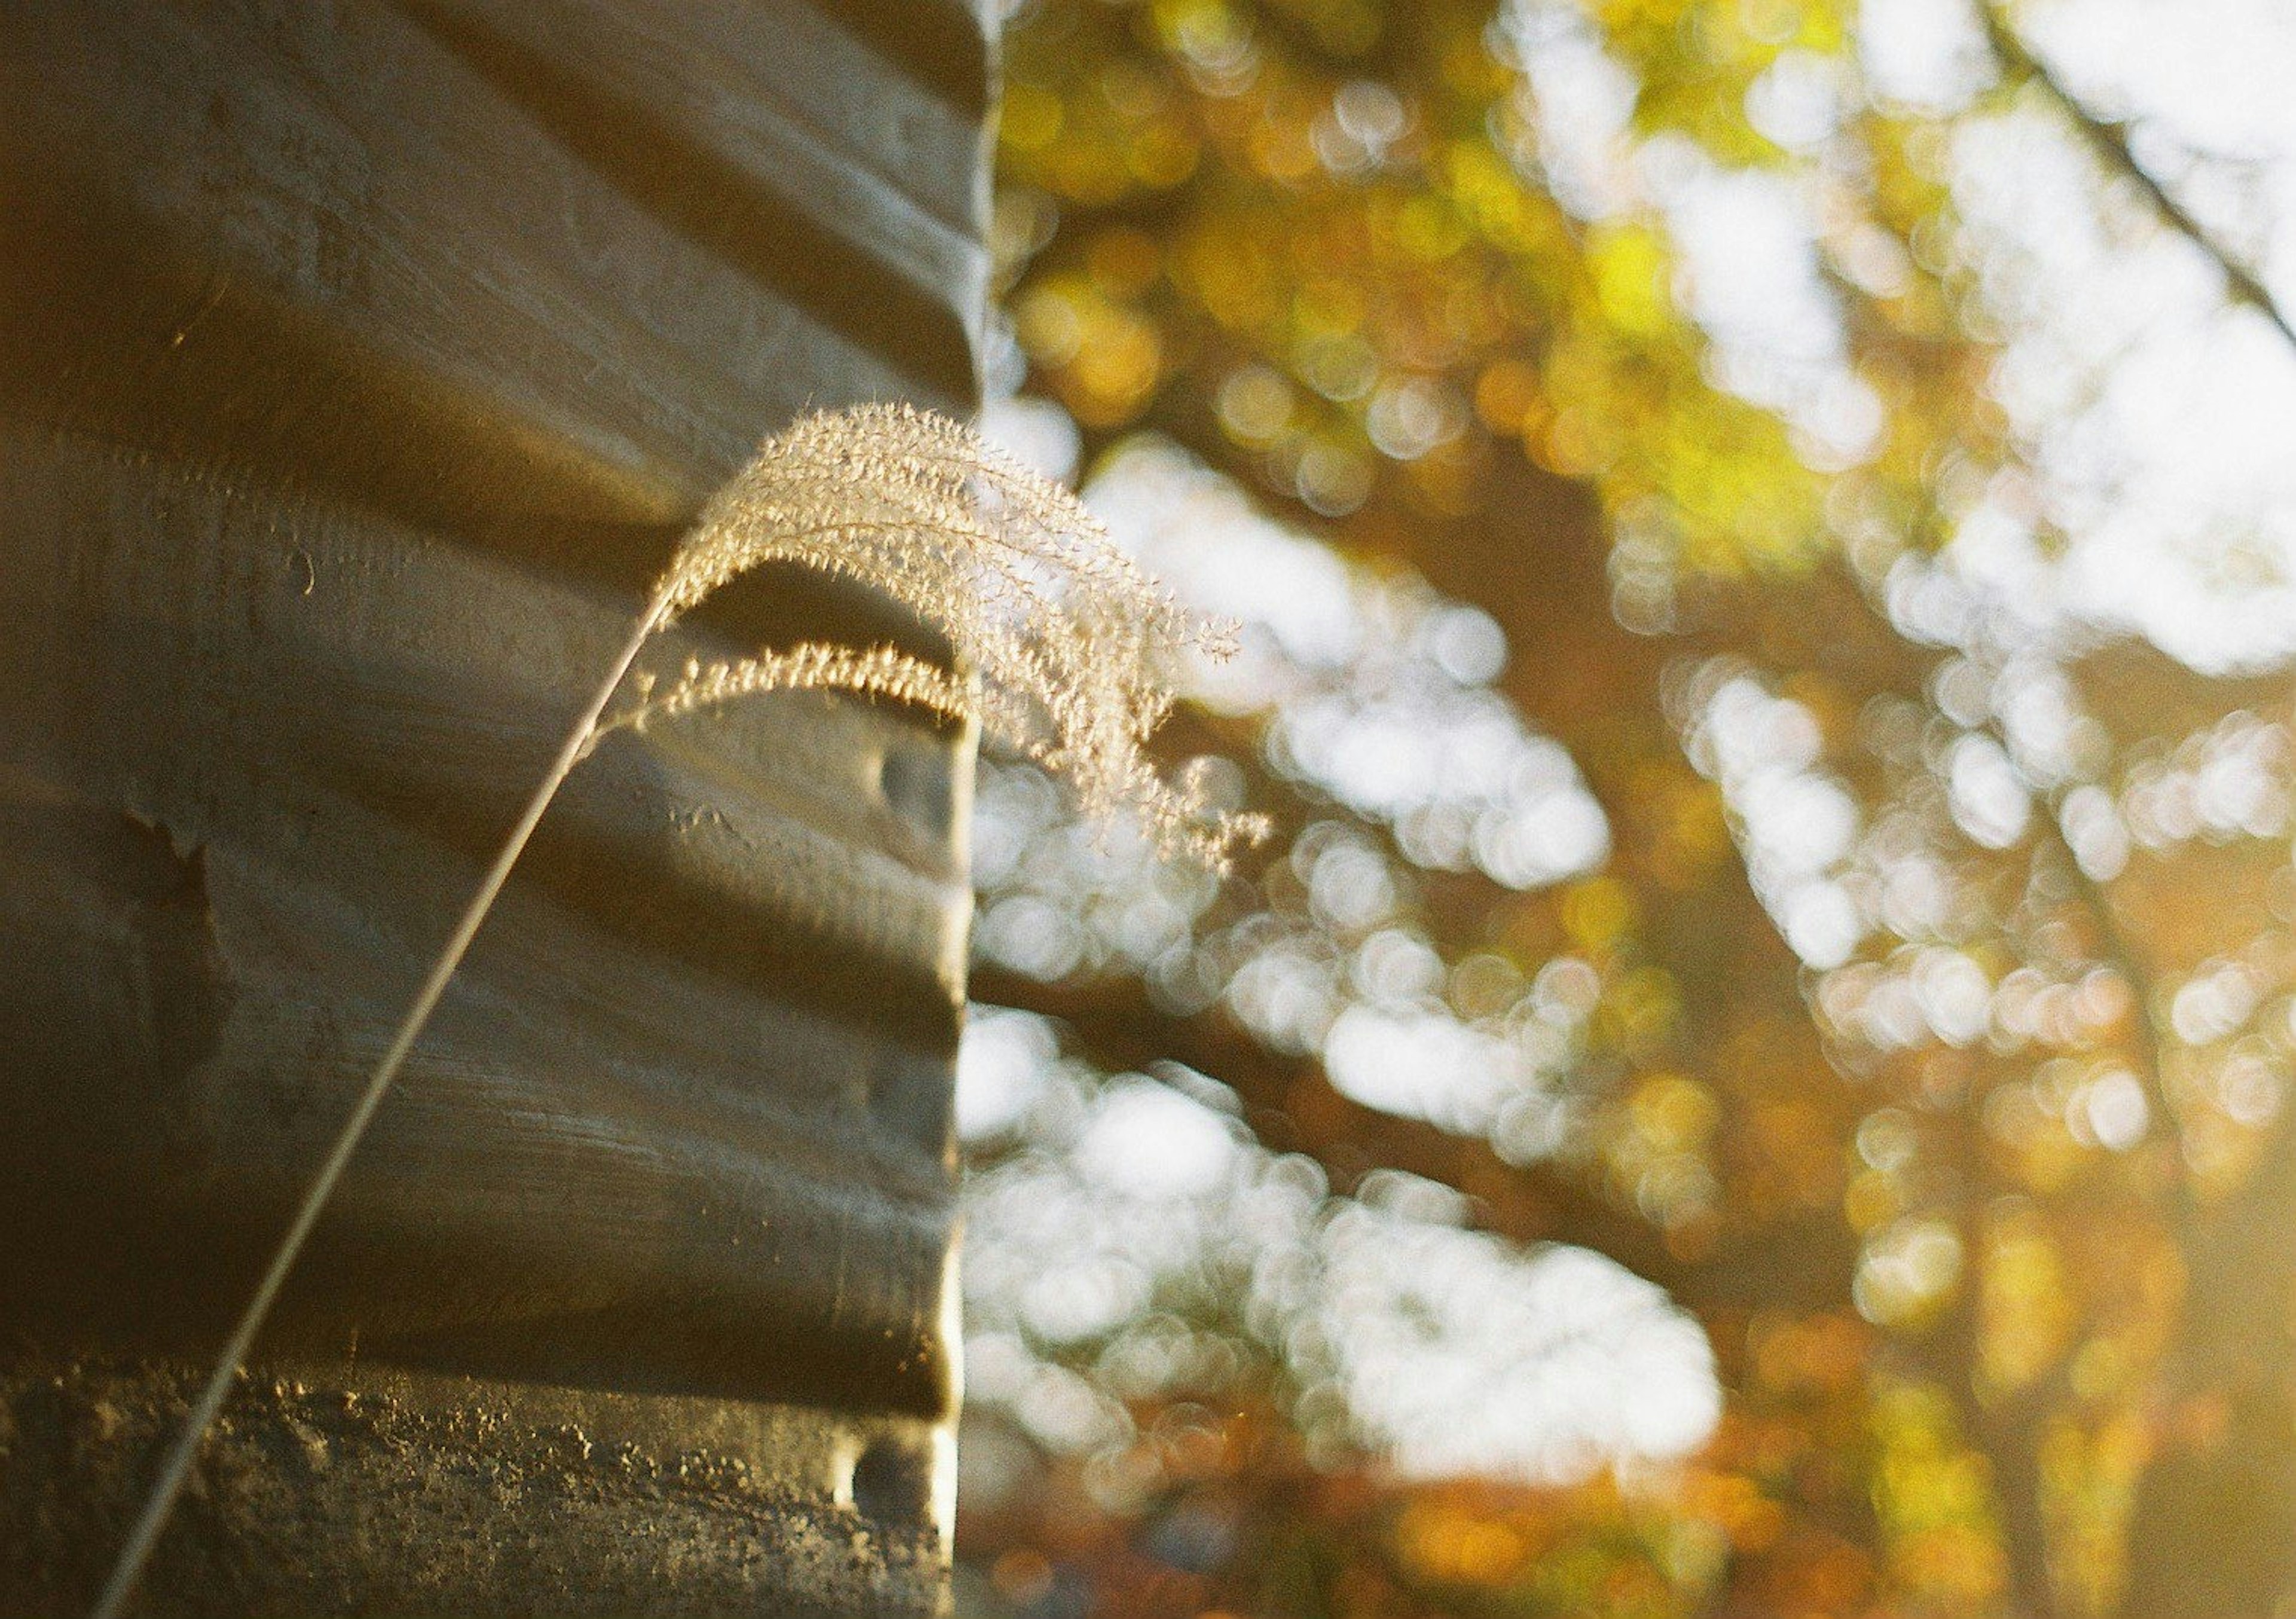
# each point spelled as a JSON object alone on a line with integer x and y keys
{"x": 360, "y": 363}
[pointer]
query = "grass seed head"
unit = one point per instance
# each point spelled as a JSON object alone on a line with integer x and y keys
{"x": 1062, "y": 642}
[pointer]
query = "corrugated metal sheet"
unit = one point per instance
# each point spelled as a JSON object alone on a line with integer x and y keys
{"x": 361, "y": 361}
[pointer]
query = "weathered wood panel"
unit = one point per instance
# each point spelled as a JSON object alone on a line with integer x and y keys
{"x": 358, "y": 362}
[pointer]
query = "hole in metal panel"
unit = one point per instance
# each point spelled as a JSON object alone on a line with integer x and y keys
{"x": 892, "y": 1483}
{"x": 915, "y": 785}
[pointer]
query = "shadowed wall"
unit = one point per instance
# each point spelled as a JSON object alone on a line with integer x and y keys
{"x": 359, "y": 363}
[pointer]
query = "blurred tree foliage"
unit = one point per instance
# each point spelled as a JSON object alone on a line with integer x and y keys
{"x": 1961, "y": 1124}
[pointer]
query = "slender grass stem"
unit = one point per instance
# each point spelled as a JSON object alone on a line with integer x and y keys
{"x": 159, "y": 1505}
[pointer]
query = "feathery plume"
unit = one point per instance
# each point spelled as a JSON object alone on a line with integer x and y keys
{"x": 1061, "y": 639}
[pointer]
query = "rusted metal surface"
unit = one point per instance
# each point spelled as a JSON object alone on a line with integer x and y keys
{"x": 358, "y": 363}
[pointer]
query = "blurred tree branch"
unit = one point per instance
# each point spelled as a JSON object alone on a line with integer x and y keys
{"x": 1796, "y": 1263}
{"x": 2108, "y": 140}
